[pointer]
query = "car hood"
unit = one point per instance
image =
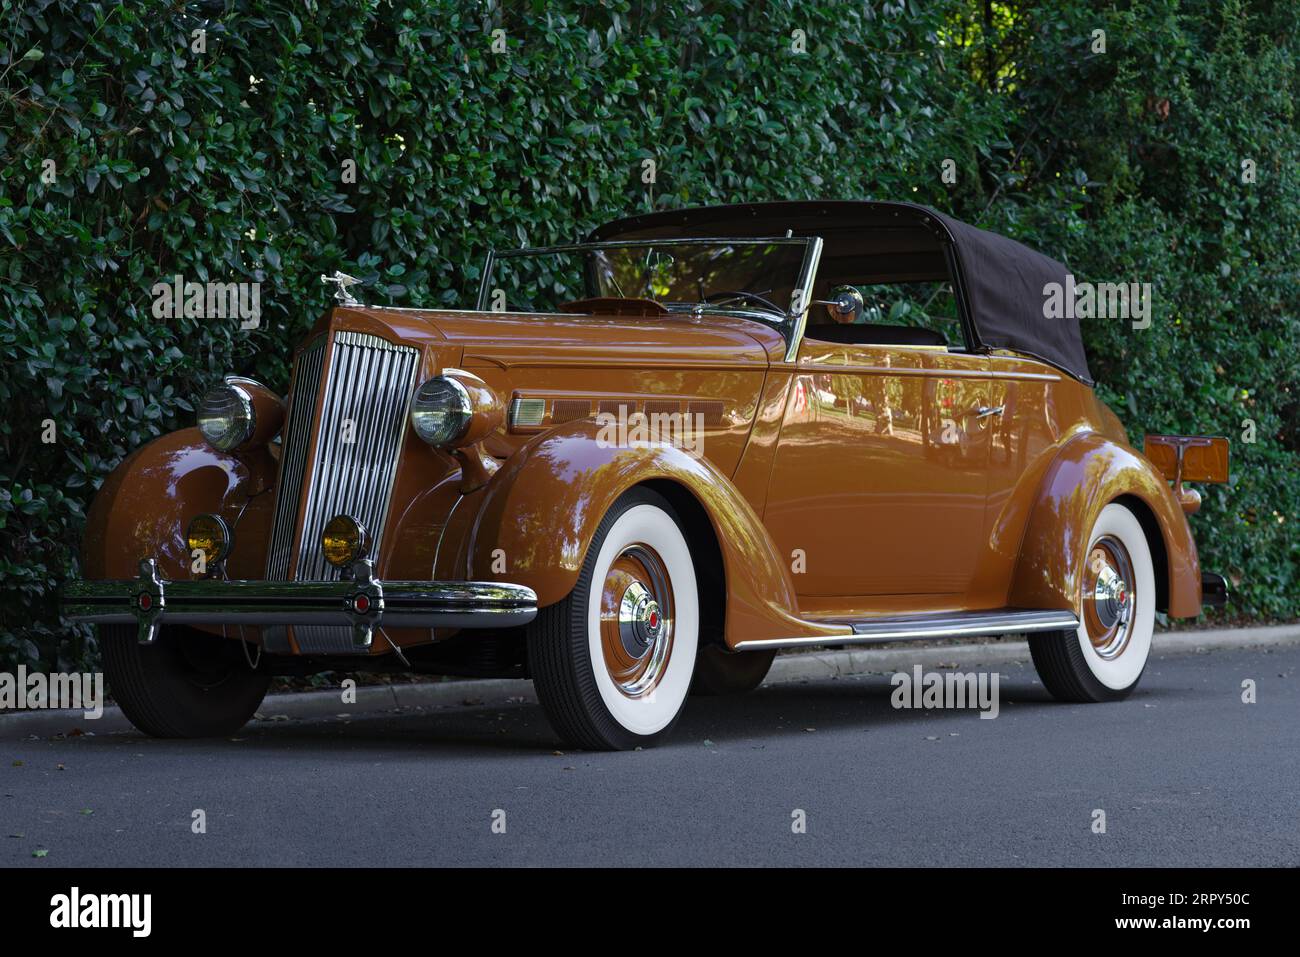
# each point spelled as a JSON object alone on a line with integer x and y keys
{"x": 667, "y": 370}
{"x": 510, "y": 339}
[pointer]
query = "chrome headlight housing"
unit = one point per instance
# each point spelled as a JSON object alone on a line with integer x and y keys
{"x": 442, "y": 411}
{"x": 226, "y": 416}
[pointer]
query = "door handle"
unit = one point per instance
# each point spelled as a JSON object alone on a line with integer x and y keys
{"x": 984, "y": 411}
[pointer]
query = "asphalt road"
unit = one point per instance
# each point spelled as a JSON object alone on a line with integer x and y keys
{"x": 1186, "y": 774}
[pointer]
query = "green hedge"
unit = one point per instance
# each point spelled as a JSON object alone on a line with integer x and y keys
{"x": 227, "y": 164}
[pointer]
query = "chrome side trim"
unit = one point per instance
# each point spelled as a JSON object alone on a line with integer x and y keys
{"x": 915, "y": 627}
{"x": 927, "y": 371}
{"x": 293, "y": 459}
{"x": 1026, "y": 376}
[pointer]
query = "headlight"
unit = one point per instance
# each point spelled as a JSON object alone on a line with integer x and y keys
{"x": 442, "y": 411}
{"x": 344, "y": 540}
{"x": 226, "y": 417}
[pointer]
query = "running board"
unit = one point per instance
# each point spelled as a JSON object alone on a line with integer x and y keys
{"x": 912, "y": 627}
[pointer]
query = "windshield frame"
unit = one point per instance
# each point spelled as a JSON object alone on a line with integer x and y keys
{"x": 790, "y": 322}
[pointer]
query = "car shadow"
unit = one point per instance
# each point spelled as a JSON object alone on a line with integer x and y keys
{"x": 521, "y": 728}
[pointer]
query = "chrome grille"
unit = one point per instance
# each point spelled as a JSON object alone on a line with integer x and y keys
{"x": 370, "y": 383}
{"x": 363, "y": 418}
{"x": 293, "y": 459}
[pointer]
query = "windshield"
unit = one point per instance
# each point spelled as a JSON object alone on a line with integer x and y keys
{"x": 758, "y": 277}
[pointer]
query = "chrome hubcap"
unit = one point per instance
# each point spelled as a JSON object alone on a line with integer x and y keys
{"x": 1108, "y": 600}
{"x": 639, "y": 620}
{"x": 1112, "y": 597}
{"x": 636, "y": 620}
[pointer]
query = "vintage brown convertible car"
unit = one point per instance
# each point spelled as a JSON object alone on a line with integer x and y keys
{"x": 644, "y": 464}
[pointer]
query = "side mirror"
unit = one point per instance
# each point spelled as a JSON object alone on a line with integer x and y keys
{"x": 845, "y": 305}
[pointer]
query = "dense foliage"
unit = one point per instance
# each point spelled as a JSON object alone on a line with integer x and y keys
{"x": 134, "y": 149}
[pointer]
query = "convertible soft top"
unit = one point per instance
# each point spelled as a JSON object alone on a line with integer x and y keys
{"x": 999, "y": 282}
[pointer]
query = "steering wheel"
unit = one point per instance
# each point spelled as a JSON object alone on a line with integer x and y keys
{"x": 743, "y": 295}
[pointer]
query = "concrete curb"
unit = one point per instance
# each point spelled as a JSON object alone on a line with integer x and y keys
{"x": 812, "y": 666}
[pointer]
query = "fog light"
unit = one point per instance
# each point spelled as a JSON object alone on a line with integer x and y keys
{"x": 344, "y": 541}
{"x": 210, "y": 535}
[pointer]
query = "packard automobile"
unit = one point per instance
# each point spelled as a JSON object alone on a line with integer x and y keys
{"x": 643, "y": 465}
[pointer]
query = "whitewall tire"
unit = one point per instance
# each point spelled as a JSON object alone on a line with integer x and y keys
{"x": 612, "y": 662}
{"x": 1103, "y": 659}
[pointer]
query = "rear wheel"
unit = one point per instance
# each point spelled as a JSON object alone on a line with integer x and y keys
{"x": 612, "y": 662}
{"x": 185, "y": 684}
{"x": 1103, "y": 659}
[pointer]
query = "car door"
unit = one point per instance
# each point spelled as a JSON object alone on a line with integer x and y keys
{"x": 878, "y": 484}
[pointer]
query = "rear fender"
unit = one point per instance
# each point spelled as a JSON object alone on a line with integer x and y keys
{"x": 1091, "y": 471}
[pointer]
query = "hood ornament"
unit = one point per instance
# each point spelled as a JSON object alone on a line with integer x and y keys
{"x": 343, "y": 287}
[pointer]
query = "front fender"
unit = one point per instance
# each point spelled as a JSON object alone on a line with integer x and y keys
{"x": 145, "y": 504}
{"x": 1089, "y": 472}
{"x": 539, "y": 513}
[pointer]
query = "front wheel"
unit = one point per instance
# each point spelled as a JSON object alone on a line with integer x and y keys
{"x": 612, "y": 662}
{"x": 1103, "y": 659}
{"x": 185, "y": 684}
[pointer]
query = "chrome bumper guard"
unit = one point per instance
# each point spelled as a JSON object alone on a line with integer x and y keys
{"x": 362, "y": 602}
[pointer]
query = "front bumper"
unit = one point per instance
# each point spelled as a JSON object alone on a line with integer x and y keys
{"x": 362, "y": 603}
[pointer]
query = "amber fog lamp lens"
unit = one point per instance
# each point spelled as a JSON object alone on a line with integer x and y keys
{"x": 344, "y": 541}
{"x": 226, "y": 417}
{"x": 210, "y": 535}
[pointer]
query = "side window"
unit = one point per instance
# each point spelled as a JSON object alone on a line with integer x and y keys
{"x": 917, "y": 313}
{"x": 915, "y": 305}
